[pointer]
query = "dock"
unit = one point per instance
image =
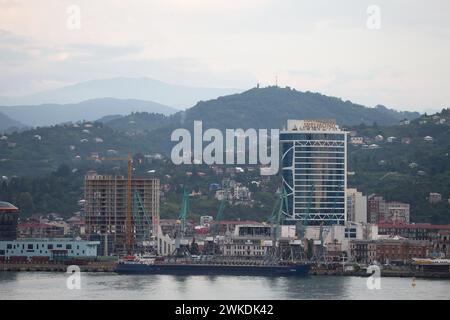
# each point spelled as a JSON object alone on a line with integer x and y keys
{"x": 56, "y": 267}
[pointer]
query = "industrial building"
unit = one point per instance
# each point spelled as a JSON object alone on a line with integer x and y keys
{"x": 437, "y": 235}
{"x": 9, "y": 214}
{"x": 251, "y": 240}
{"x": 46, "y": 249}
{"x": 388, "y": 251}
{"x": 314, "y": 171}
{"x": 106, "y": 207}
{"x": 341, "y": 235}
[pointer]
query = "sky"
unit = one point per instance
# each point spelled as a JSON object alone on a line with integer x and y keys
{"x": 395, "y": 54}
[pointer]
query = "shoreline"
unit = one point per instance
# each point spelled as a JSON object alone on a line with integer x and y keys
{"x": 110, "y": 267}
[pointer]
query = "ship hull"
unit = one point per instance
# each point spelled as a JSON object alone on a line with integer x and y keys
{"x": 198, "y": 269}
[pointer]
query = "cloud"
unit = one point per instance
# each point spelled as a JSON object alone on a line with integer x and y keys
{"x": 321, "y": 45}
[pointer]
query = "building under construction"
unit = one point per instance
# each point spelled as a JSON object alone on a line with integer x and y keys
{"x": 110, "y": 202}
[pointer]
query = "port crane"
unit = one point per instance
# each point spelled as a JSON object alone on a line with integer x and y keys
{"x": 181, "y": 246}
{"x": 184, "y": 212}
{"x": 275, "y": 221}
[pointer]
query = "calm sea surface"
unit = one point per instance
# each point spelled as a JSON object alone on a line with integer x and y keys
{"x": 41, "y": 285}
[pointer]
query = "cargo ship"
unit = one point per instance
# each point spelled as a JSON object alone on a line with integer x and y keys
{"x": 150, "y": 265}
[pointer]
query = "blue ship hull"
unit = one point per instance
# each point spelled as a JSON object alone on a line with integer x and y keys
{"x": 205, "y": 269}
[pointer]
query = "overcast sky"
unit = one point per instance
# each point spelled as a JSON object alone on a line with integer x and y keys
{"x": 322, "y": 46}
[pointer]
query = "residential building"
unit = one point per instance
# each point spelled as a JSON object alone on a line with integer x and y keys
{"x": 314, "y": 171}
{"x": 357, "y": 140}
{"x": 40, "y": 230}
{"x": 356, "y": 206}
{"x": 382, "y": 211}
{"x": 376, "y": 207}
{"x": 434, "y": 197}
{"x": 396, "y": 212}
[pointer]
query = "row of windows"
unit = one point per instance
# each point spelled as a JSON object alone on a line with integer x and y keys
{"x": 319, "y": 168}
{"x": 329, "y": 181}
{"x": 319, "y": 155}
{"x": 247, "y": 253}
{"x": 247, "y": 247}
{"x": 322, "y": 211}
{"x": 320, "y": 148}
{"x": 317, "y": 193}
{"x": 312, "y": 136}
{"x": 316, "y": 206}
{"x": 32, "y": 251}
{"x": 331, "y": 176}
{"x": 31, "y": 246}
{"x": 316, "y": 161}
{"x": 316, "y": 166}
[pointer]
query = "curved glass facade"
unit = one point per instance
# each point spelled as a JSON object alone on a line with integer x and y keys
{"x": 314, "y": 173}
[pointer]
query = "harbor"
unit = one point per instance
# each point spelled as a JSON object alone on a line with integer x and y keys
{"x": 441, "y": 272}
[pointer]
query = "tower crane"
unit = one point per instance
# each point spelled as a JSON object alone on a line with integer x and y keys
{"x": 184, "y": 212}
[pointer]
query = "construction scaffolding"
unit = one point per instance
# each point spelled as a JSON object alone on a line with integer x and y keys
{"x": 108, "y": 203}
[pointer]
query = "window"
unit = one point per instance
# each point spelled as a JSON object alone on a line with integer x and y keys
{"x": 9, "y": 246}
{"x": 30, "y": 246}
{"x": 59, "y": 245}
{"x": 50, "y": 246}
{"x": 68, "y": 246}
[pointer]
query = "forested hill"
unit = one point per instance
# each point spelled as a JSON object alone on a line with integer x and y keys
{"x": 268, "y": 107}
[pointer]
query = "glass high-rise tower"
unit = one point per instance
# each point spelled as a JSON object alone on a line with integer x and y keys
{"x": 314, "y": 171}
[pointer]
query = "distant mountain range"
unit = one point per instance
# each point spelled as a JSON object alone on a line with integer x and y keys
{"x": 7, "y": 124}
{"x": 51, "y": 114}
{"x": 148, "y": 89}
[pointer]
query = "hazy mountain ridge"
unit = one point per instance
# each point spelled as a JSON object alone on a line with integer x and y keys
{"x": 51, "y": 114}
{"x": 7, "y": 124}
{"x": 122, "y": 88}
